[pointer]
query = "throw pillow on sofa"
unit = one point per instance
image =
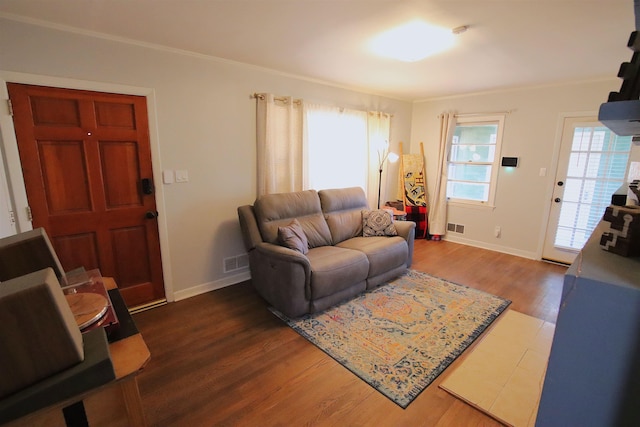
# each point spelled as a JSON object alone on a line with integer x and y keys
{"x": 378, "y": 222}
{"x": 293, "y": 237}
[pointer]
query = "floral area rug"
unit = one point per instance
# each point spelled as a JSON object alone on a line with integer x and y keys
{"x": 401, "y": 336}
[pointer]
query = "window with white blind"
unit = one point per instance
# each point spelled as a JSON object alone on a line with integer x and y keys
{"x": 597, "y": 168}
{"x": 473, "y": 159}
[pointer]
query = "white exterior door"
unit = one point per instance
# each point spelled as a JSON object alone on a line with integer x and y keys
{"x": 592, "y": 165}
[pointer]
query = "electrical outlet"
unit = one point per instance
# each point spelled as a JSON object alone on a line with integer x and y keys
{"x": 497, "y": 231}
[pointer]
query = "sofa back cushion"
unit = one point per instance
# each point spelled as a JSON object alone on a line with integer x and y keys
{"x": 342, "y": 209}
{"x": 279, "y": 210}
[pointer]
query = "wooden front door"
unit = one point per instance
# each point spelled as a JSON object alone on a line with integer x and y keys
{"x": 86, "y": 161}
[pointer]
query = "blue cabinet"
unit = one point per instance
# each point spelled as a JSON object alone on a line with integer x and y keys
{"x": 593, "y": 376}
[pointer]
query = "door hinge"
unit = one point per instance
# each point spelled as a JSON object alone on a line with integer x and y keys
{"x": 29, "y": 215}
{"x": 10, "y": 107}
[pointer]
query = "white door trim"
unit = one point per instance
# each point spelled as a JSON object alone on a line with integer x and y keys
{"x": 14, "y": 169}
{"x": 7, "y": 212}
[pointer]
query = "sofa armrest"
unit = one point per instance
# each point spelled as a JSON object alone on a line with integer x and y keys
{"x": 279, "y": 253}
{"x": 282, "y": 276}
{"x": 406, "y": 230}
{"x": 248, "y": 225}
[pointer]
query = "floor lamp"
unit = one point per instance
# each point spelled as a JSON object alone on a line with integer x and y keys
{"x": 382, "y": 157}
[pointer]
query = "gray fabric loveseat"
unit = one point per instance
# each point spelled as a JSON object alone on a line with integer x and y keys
{"x": 308, "y": 250}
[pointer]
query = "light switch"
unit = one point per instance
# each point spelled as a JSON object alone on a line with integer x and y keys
{"x": 543, "y": 171}
{"x": 182, "y": 176}
{"x": 168, "y": 177}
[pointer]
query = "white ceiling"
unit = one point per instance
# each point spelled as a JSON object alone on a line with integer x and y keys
{"x": 510, "y": 43}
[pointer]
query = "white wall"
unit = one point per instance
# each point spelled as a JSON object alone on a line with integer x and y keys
{"x": 531, "y": 133}
{"x": 204, "y": 122}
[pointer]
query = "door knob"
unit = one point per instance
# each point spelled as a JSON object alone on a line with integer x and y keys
{"x": 151, "y": 214}
{"x": 557, "y": 200}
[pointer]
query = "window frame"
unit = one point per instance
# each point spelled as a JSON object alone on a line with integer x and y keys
{"x": 488, "y": 119}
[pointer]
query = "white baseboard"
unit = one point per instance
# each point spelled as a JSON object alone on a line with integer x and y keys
{"x": 246, "y": 275}
{"x": 212, "y": 286}
{"x": 496, "y": 248}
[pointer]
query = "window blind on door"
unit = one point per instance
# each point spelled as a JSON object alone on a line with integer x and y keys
{"x": 597, "y": 168}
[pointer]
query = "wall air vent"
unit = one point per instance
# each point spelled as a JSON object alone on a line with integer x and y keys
{"x": 455, "y": 228}
{"x": 233, "y": 263}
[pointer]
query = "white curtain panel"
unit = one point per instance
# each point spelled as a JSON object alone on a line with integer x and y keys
{"x": 438, "y": 211}
{"x": 279, "y": 123}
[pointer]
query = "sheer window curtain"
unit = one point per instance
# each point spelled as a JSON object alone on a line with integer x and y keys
{"x": 342, "y": 148}
{"x": 335, "y": 147}
{"x": 438, "y": 211}
{"x": 309, "y": 146}
{"x": 279, "y": 124}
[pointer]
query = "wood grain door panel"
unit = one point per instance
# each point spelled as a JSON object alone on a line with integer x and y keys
{"x": 84, "y": 155}
{"x": 122, "y": 189}
{"x": 77, "y": 250}
{"x": 65, "y": 177}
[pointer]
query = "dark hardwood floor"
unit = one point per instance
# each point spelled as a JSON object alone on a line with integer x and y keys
{"x": 222, "y": 359}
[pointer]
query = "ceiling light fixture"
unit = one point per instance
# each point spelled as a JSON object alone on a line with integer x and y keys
{"x": 414, "y": 41}
{"x": 459, "y": 30}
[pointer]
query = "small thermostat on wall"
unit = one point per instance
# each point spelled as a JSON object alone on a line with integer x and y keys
{"x": 511, "y": 162}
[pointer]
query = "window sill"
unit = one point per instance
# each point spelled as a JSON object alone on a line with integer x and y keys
{"x": 470, "y": 205}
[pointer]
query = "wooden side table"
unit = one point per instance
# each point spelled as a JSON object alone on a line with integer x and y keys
{"x": 399, "y": 215}
{"x": 117, "y": 403}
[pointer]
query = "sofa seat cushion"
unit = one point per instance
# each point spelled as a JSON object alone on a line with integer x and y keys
{"x": 334, "y": 269}
{"x": 384, "y": 253}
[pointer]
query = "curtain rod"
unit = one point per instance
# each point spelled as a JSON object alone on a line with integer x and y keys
{"x": 276, "y": 98}
{"x": 493, "y": 113}
{"x": 379, "y": 113}
{"x": 261, "y": 96}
